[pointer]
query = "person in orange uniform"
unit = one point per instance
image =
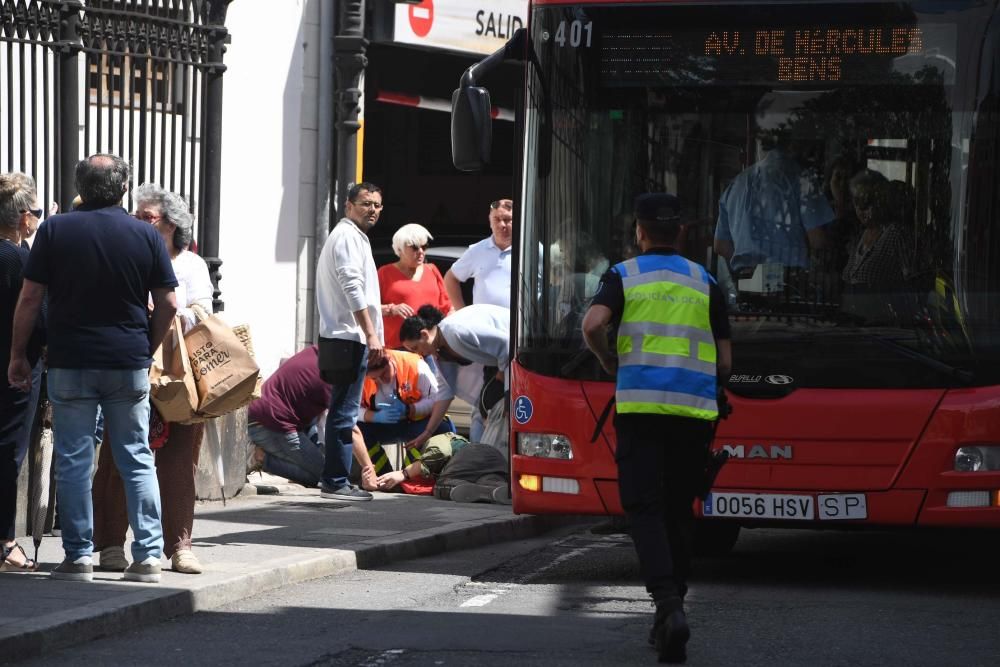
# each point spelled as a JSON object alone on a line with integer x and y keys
{"x": 402, "y": 401}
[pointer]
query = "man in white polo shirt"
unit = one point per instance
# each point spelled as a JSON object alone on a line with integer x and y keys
{"x": 488, "y": 261}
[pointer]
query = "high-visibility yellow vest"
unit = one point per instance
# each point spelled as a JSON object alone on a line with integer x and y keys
{"x": 666, "y": 351}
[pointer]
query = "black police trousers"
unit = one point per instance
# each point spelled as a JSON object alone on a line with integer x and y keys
{"x": 661, "y": 463}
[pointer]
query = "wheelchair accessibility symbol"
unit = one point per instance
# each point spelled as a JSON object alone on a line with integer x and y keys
{"x": 523, "y": 410}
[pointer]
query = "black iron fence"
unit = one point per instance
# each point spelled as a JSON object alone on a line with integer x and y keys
{"x": 137, "y": 78}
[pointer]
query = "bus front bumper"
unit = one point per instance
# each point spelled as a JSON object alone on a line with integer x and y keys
{"x": 554, "y": 494}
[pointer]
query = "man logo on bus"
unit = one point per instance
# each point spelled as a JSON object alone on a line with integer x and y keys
{"x": 779, "y": 379}
{"x": 759, "y": 451}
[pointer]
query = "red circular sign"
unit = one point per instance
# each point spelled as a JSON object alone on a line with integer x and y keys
{"x": 422, "y": 17}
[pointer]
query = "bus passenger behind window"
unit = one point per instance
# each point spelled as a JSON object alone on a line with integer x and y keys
{"x": 772, "y": 212}
{"x": 880, "y": 259}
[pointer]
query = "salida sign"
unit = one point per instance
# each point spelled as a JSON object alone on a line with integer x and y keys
{"x": 461, "y": 25}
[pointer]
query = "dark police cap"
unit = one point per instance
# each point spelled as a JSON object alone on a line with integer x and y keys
{"x": 658, "y": 207}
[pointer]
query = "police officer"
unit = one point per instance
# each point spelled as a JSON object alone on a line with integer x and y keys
{"x": 672, "y": 343}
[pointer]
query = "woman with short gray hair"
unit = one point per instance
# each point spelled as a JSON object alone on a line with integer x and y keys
{"x": 170, "y": 207}
{"x": 410, "y": 235}
{"x": 177, "y": 457}
{"x": 410, "y": 282}
{"x": 169, "y": 213}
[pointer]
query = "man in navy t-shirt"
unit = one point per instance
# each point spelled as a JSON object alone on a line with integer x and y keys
{"x": 99, "y": 265}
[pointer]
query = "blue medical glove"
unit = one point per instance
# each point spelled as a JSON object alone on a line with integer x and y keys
{"x": 396, "y": 400}
{"x": 389, "y": 413}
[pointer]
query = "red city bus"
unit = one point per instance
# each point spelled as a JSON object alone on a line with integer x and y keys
{"x": 838, "y": 166}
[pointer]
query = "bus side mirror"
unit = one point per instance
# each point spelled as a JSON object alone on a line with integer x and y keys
{"x": 471, "y": 128}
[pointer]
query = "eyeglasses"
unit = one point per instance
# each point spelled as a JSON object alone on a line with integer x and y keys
{"x": 37, "y": 212}
{"x": 502, "y": 203}
{"x": 146, "y": 216}
{"x": 417, "y": 247}
{"x": 377, "y": 205}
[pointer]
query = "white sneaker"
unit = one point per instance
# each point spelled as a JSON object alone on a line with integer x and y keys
{"x": 148, "y": 571}
{"x": 81, "y": 569}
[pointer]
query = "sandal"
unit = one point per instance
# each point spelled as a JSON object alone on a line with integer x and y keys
{"x": 29, "y": 565}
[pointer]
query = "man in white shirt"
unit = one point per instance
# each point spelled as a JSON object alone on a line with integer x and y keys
{"x": 488, "y": 261}
{"x": 350, "y": 331}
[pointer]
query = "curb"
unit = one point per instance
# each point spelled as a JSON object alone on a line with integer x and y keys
{"x": 35, "y": 637}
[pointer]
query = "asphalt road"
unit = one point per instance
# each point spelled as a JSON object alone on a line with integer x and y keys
{"x": 782, "y": 598}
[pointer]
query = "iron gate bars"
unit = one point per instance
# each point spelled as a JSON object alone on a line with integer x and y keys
{"x": 29, "y": 75}
{"x": 149, "y": 76}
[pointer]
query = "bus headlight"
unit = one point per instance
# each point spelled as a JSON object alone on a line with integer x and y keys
{"x": 976, "y": 459}
{"x": 544, "y": 445}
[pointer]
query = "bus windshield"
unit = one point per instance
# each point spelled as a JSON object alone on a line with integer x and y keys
{"x": 837, "y": 168}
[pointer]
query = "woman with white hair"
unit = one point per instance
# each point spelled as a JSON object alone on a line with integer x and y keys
{"x": 177, "y": 458}
{"x": 169, "y": 213}
{"x": 410, "y": 282}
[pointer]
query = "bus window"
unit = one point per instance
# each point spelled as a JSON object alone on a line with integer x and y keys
{"x": 827, "y": 196}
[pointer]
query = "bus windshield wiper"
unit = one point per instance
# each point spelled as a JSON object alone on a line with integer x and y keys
{"x": 960, "y": 374}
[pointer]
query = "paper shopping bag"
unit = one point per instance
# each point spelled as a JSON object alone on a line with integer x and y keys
{"x": 224, "y": 368}
{"x": 242, "y": 332}
{"x": 171, "y": 381}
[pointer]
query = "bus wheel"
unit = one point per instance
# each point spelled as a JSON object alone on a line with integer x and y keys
{"x": 715, "y": 538}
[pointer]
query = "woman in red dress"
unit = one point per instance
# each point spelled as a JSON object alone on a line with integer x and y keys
{"x": 410, "y": 282}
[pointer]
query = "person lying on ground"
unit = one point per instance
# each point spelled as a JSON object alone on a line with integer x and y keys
{"x": 461, "y": 471}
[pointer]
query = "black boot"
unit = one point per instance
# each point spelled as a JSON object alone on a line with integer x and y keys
{"x": 667, "y": 605}
{"x": 670, "y": 634}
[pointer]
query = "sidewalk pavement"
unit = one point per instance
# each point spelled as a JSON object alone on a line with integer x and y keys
{"x": 253, "y": 544}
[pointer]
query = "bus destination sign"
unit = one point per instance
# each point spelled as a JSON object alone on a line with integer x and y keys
{"x": 871, "y": 55}
{"x": 815, "y": 54}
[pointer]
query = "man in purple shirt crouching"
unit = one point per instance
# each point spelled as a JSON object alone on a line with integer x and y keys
{"x": 282, "y": 420}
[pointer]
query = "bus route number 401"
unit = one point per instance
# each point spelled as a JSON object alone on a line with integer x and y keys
{"x": 573, "y": 33}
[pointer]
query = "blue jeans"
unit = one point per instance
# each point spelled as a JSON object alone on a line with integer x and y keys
{"x": 123, "y": 396}
{"x": 24, "y": 438}
{"x": 17, "y": 415}
{"x": 297, "y": 456}
{"x": 376, "y": 435}
{"x": 345, "y": 400}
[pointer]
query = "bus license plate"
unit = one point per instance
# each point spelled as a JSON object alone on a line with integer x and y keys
{"x": 759, "y": 506}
